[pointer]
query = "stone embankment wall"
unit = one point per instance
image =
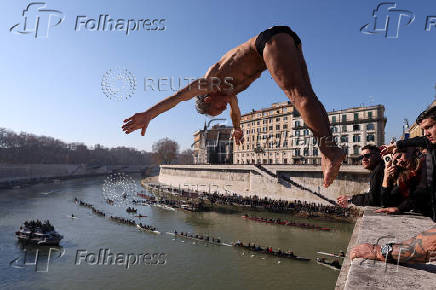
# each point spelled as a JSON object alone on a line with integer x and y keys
{"x": 368, "y": 274}
{"x": 248, "y": 180}
{"x": 11, "y": 174}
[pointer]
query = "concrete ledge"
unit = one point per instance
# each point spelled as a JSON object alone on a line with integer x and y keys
{"x": 361, "y": 274}
{"x": 273, "y": 168}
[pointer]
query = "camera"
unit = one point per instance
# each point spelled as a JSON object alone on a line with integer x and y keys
{"x": 387, "y": 158}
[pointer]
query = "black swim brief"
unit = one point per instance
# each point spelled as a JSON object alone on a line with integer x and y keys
{"x": 266, "y": 36}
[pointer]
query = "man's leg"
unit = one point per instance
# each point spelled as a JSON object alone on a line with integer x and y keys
{"x": 286, "y": 64}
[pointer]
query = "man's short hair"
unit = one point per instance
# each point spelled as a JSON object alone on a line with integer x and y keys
{"x": 427, "y": 114}
{"x": 201, "y": 106}
{"x": 372, "y": 148}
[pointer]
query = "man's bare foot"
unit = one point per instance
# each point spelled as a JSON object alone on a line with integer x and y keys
{"x": 331, "y": 161}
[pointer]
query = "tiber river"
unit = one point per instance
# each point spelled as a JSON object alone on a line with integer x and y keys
{"x": 181, "y": 264}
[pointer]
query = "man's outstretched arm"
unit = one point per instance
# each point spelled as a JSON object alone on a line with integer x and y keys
{"x": 141, "y": 120}
{"x": 419, "y": 249}
{"x": 235, "y": 115}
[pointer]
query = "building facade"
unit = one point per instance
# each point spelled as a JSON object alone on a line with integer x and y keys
{"x": 278, "y": 135}
{"x": 213, "y": 146}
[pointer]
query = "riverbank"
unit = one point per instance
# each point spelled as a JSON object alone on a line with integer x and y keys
{"x": 204, "y": 201}
{"x": 23, "y": 175}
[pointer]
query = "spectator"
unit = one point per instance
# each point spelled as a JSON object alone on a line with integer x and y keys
{"x": 424, "y": 199}
{"x": 372, "y": 161}
{"x": 401, "y": 178}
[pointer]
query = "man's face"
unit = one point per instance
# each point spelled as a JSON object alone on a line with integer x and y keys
{"x": 370, "y": 160}
{"x": 428, "y": 125}
{"x": 217, "y": 106}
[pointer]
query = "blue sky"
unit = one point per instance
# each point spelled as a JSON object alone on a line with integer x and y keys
{"x": 52, "y": 86}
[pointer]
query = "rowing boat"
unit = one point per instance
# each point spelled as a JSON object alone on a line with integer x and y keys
{"x": 200, "y": 240}
{"x": 147, "y": 230}
{"x": 331, "y": 255}
{"x": 275, "y": 254}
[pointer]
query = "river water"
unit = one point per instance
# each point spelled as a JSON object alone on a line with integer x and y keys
{"x": 181, "y": 264}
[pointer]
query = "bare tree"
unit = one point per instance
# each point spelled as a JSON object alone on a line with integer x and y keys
{"x": 186, "y": 157}
{"x": 165, "y": 151}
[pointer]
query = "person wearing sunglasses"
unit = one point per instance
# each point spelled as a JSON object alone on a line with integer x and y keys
{"x": 372, "y": 161}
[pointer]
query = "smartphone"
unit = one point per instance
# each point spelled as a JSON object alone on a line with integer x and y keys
{"x": 387, "y": 158}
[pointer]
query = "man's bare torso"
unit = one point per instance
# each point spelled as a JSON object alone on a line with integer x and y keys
{"x": 241, "y": 65}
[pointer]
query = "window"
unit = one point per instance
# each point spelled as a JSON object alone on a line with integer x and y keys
{"x": 277, "y": 127}
{"x": 270, "y": 127}
{"x": 370, "y": 138}
{"x": 297, "y": 123}
{"x": 344, "y": 118}
{"x": 344, "y": 128}
{"x": 334, "y": 119}
{"x": 369, "y": 115}
{"x": 315, "y": 151}
{"x": 356, "y": 138}
{"x": 285, "y": 161}
{"x": 285, "y": 127}
{"x": 285, "y": 118}
{"x": 258, "y": 122}
{"x": 356, "y": 127}
{"x": 356, "y": 150}
{"x": 285, "y": 144}
{"x": 264, "y": 121}
{"x": 285, "y": 110}
{"x": 370, "y": 126}
{"x": 258, "y": 130}
{"x": 306, "y": 152}
{"x": 297, "y": 152}
{"x": 297, "y": 132}
{"x": 314, "y": 140}
{"x": 277, "y": 119}
{"x": 334, "y": 129}
{"x": 278, "y": 135}
{"x": 306, "y": 132}
{"x": 270, "y": 120}
{"x": 248, "y": 132}
{"x": 356, "y": 116}
{"x": 252, "y": 139}
{"x": 344, "y": 138}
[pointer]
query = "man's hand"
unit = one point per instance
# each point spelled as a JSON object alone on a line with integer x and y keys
{"x": 137, "y": 121}
{"x": 367, "y": 251}
{"x": 343, "y": 200}
{"x": 238, "y": 134}
{"x": 388, "y": 210}
{"x": 388, "y": 149}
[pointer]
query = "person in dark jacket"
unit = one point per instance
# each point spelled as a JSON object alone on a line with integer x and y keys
{"x": 371, "y": 160}
{"x": 424, "y": 198}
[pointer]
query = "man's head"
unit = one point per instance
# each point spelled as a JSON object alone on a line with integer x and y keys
{"x": 370, "y": 156}
{"x": 210, "y": 105}
{"x": 427, "y": 121}
{"x": 405, "y": 158}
